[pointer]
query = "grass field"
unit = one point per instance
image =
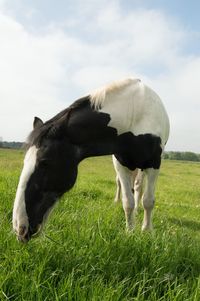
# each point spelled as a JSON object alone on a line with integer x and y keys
{"x": 85, "y": 253}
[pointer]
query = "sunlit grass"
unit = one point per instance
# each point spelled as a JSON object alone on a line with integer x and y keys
{"x": 85, "y": 253}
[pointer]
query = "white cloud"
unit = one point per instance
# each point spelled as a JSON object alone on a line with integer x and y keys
{"x": 34, "y": 75}
{"x": 181, "y": 93}
{"x": 29, "y": 76}
{"x": 146, "y": 35}
{"x": 43, "y": 71}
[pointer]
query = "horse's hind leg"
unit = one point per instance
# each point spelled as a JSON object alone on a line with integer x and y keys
{"x": 149, "y": 196}
{"x": 125, "y": 178}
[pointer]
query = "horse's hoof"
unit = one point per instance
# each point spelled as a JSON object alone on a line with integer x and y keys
{"x": 147, "y": 228}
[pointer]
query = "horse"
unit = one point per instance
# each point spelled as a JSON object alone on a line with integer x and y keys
{"x": 125, "y": 118}
{"x": 137, "y": 186}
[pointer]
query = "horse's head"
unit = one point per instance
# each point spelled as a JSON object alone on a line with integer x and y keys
{"x": 50, "y": 169}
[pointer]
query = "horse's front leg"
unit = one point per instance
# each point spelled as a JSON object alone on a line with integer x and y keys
{"x": 118, "y": 191}
{"x": 125, "y": 178}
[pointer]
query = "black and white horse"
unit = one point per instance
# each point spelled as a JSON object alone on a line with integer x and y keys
{"x": 126, "y": 119}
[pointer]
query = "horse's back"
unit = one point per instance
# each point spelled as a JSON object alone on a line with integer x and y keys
{"x": 136, "y": 108}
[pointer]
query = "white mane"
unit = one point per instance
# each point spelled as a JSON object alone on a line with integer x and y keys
{"x": 97, "y": 97}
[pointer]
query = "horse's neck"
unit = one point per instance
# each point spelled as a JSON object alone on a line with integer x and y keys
{"x": 96, "y": 149}
{"x": 89, "y": 130}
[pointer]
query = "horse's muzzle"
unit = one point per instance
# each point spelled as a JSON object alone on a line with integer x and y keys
{"x": 25, "y": 234}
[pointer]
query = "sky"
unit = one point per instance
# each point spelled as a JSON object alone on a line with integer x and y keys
{"x": 55, "y": 51}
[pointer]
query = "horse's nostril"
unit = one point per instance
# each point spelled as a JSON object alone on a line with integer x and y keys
{"x": 22, "y": 230}
{"x": 23, "y": 234}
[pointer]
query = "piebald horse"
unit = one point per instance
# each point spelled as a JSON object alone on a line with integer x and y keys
{"x": 126, "y": 119}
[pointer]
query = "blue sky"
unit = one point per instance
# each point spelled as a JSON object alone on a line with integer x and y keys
{"x": 46, "y": 11}
{"x": 53, "y": 52}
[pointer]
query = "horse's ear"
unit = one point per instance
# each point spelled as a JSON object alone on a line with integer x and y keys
{"x": 37, "y": 123}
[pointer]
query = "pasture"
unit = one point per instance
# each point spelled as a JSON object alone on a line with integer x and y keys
{"x": 85, "y": 253}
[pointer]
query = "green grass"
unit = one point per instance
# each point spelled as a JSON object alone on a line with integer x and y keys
{"x": 85, "y": 253}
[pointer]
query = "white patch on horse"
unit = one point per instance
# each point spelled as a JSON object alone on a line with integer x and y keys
{"x": 20, "y": 218}
{"x": 142, "y": 110}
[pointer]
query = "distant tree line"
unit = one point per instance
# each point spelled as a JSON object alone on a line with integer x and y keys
{"x": 183, "y": 156}
{"x": 13, "y": 144}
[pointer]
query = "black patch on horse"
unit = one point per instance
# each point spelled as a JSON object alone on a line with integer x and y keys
{"x": 89, "y": 130}
{"x": 142, "y": 151}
